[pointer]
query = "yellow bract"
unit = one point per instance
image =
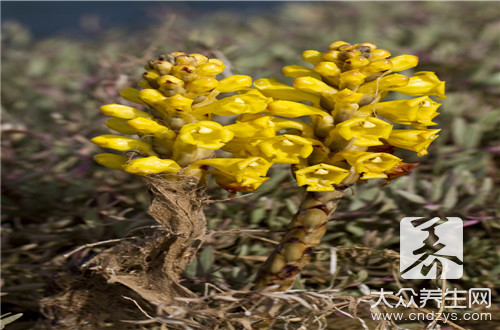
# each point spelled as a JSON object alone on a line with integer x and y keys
{"x": 321, "y": 177}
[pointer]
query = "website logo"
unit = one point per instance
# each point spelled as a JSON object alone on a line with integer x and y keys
{"x": 431, "y": 249}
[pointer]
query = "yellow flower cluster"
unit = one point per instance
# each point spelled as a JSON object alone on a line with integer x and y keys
{"x": 175, "y": 131}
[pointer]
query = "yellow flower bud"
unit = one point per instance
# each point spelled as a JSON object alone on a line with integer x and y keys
{"x": 178, "y": 102}
{"x": 327, "y": 69}
{"x": 351, "y": 80}
{"x": 123, "y": 143}
{"x": 404, "y": 62}
{"x": 123, "y": 111}
{"x": 132, "y": 95}
{"x": 211, "y": 68}
{"x": 415, "y": 140}
{"x": 355, "y": 63}
{"x": 376, "y": 67}
{"x": 143, "y": 83}
{"x": 320, "y": 177}
{"x": 151, "y": 76}
{"x": 186, "y": 60}
{"x": 234, "y": 83}
{"x": 163, "y": 67}
{"x": 202, "y": 85}
{"x": 378, "y": 54}
{"x": 273, "y": 88}
{"x": 370, "y": 165}
{"x": 332, "y": 56}
{"x": 184, "y": 72}
{"x": 336, "y": 44}
{"x": 150, "y": 127}
{"x": 151, "y": 96}
{"x": 113, "y": 161}
{"x": 418, "y": 111}
{"x": 312, "y": 85}
{"x": 297, "y": 71}
{"x": 200, "y": 59}
{"x": 312, "y": 56}
{"x": 287, "y": 149}
{"x": 293, "y": 109}
{"x": 170, "y": 82}
{"x": 120, "y": 125}
{"x": 423, "y": 83}
{"x": 151, "y": 165}
{"x": 205, "y": 134}
{"x": 365, "y": 130}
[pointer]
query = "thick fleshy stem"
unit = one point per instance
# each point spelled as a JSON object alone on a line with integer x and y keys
{"x": 304, "y": 232}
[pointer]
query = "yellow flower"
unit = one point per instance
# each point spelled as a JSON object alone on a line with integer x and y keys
{"x": 234, "y": 83}
{"x": 150, "y": 127}
{"x": 327, "y": 69}
{"x": 312, "y": 56}
{"x": 351, "y": 80}
{"x": 202, "y": 85}
{"x": 244, "y": 147}
{"x": 321, "y": 177}
{"x": 151, "y": 165}
{"x": 296, "y": 71}
{"x": 273, "y": 88}
{"x": 205, "y": 134}
{"x": 423, "y": 83}
{"x": 237, "y": 174}
{"x": 132, "y": 95}
{"x": 113, "y": 161}
{"x": 123, "y": 111}
{"x": 418, "y": 111}
{"x": 365, "y": 130}
{"x": 235, "y": 105}
{"x": 312, "y": 85}
{"x": 120, "y": 125}
{"x": 123, "y": 143}
{"x": 415, "y": 140}
{"x": 260, "y": 127}
{"x": 371, "y": 165}
{"x": 404, "y": 62}
{"x": 293, "y": 109}
{"x": 384, "y": 84}
{"x": 178, "y": 102}
{"x": 287, "y": 149}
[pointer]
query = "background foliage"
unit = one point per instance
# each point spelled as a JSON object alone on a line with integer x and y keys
{"x": 56, "y": 199}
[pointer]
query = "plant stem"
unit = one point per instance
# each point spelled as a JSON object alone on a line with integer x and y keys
{"x": 304, "y": 232}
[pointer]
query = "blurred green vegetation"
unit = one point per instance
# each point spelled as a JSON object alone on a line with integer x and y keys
{"x": 55, "y": 199}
